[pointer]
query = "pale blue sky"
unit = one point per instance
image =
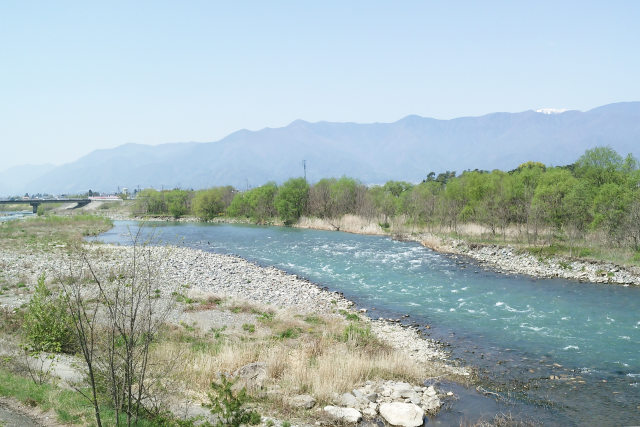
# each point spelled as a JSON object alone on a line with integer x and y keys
{"x": 77, "y": 76}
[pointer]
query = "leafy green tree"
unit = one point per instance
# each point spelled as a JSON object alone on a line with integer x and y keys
{"x": 210, "y": 203}
{"x": 343, "y": 196}
{"x": 423, "y": 201}
{"x": 320, "y": 202}
{"x": 548, "y": 199}
{"x": 610, "y": 206}
{"x": 453, "y": 202}
{"x": 239, "y": 206}
{"x": 291, "y": 199}
{"x": 150, "y": 201}
{"x": 600, "y": 165}
{"x": 178, "y": 202}
{"x": 383, "y": 203}
{"x": 262, "y": 202}
{"x": 257, "y": 203}
{"x": 332, "y": 197}
{"x": 495, "y": 208}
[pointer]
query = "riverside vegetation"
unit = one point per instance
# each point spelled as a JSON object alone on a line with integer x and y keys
{"x": 106, "y": 335}
{"x": 588, "y": 209}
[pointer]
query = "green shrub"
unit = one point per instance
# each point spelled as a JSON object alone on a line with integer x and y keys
{"x": 228, "y": 407}
{"x": 266, "y": 316}
{"x": 249, "y": 327}
{"x": 356, "y": 333}
{"x": 565, "y": 265}
{"x": 290, "y": 333}
{"x": 314, "y": 320}
{"x": 47, "y": 323}
{"x": 585, "y": 252}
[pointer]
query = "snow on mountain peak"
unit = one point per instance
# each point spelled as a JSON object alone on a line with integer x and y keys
{"x": 551, "y": 110}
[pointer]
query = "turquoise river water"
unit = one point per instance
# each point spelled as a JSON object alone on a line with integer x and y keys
{"x": 11, "y": 215}
{"x": 518, "y": 331}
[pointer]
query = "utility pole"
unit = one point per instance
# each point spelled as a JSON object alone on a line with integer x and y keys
{"x": 304, "y": 166}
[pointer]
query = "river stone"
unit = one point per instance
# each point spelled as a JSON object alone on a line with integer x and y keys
{"x": 349, "y": 400}
{"x": 373, "y": 397}
{"x": 369, "y": 412}
{"x": 251, "y": 376}
{"x": 430, "y": 391}
{"x": 430, "y": 404}
{"x": 348, "y": 415}
{"x": 303, "y": 401}
{"x": 402, "y": 414}
{"x": 358, "y": 394}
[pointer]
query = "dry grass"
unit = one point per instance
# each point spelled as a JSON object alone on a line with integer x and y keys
{"x": 348, "y": 223}
{"x": 318, "y": 355}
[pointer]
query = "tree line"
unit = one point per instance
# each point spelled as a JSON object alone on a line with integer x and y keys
{"x": 598, "y": 194}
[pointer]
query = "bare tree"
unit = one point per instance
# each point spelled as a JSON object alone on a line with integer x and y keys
{"x": 117, "y": 316}
{"x": 84, "y": 318}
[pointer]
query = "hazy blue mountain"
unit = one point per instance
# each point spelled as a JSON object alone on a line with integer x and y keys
{"x": 407, "y": 149}
{"x": 12, "y": 180}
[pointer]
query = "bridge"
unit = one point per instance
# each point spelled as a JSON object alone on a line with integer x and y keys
{"x": 37, "y": 202}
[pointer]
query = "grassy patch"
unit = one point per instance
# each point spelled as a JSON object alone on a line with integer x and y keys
{"x": 69, "y": 406}
{"x": 180, "y": 297}
{"x": 289, "y": 333}
{"x": 266, "y": 316}
{"x": 48, "y": 231}
{"x": 349, "y": 316}
{"x": 358, "y": 334}
{"x": 314, "y": 320}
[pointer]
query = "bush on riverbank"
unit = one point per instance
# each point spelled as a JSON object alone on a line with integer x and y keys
{"x": 47, "y": 324}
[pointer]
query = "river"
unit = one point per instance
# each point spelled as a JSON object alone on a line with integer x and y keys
{"x": 11, "y": 215}
{"x": 569, "y": 352}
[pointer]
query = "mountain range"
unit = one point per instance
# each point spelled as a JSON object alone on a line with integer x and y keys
{"x": 407, "y": 149}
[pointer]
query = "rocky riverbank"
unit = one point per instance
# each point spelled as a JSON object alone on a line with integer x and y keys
{"x": 507, "y": 259}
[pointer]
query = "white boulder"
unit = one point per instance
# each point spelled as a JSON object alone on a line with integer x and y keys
{"x": 348, "y": 415}
{"x": 402, "y": 414}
